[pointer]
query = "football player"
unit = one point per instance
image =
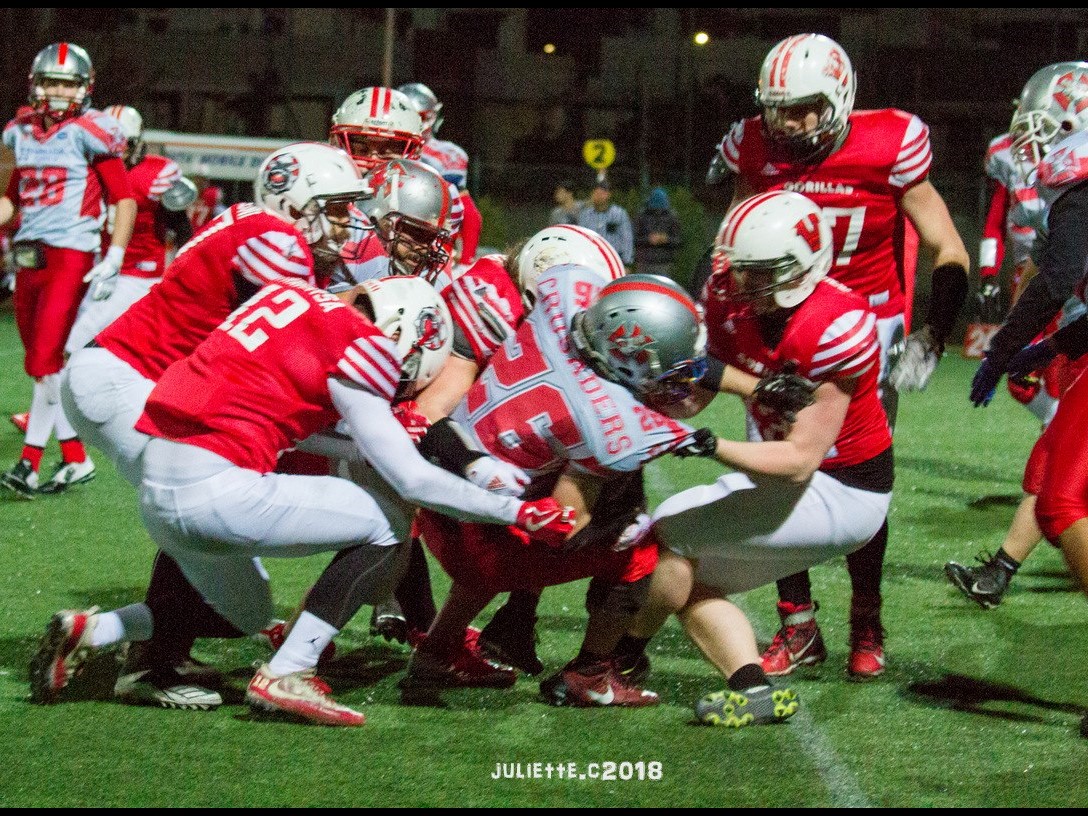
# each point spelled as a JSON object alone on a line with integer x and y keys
{"x": 816, "y": 486}
{"x": 67, "y": 160}
{"x": 451, "y": 162}
{"x": 868, "y": 171}
{"x": 303, "y": 195}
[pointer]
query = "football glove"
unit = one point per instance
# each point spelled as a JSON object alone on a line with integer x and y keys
{"x": 701, "y": 443}
{"x": 103, "y": 275}
{"x": 635, "y": 533}
{"x": 496, "y": 476}
{"x": 785, "y": 392}
{"x": 916, "y": 363}
{"x": 546, "y": 520}
{"x": 984, "y": 383}
{"x": 1031, "y": 359}
{"x": 415, "y": 423}
{"x": 989, "y": 303}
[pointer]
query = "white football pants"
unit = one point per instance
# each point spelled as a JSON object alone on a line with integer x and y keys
{"x": 95, "y": 315}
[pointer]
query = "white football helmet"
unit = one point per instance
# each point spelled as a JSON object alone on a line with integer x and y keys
{"x": 377, "y": 124}
{"x": 61, "y": 61}
{"x": 413, "y": 213}
{"x": 316, "y": 187}
{"x": 777, "y": 242}
{"x": 565, "y": 244}
{"x": 801, "y": 70}
{"x": 410, "y": 312}
{"x": 133, "y": 126}
{"x": 1052, "y": 105}
{"x": 430, "y": 109}
{"x": 645, "y": 333}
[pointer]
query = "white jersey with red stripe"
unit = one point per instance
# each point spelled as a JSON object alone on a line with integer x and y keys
{"x": 486, "y": 308}
{"x": 221, "y": 267}
{"x": 260, "y": 382}
{"x": 831, "y": 337}
{"x": 539, "y": 406}
{"x": 859, "y": 187}
{"x": 1024, "y": 202}
{"x": 145, "y": 256}
{"x": 449, "y": 159}
{"x": 60, "y": 197}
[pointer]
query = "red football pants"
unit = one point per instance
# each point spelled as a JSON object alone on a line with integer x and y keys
{"x": 46, "y": 303}
{"x": 1063, "y": 489}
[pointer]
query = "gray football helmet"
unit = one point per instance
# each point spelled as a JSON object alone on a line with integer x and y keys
{"x": 430, "y": 109}
{"x": 645, "y": 333}
{"x": 1052, "y": 105}
{"x": 65, "y": 61}
{"x": 412, "y": 211}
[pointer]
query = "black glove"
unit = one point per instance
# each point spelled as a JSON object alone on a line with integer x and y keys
{"x": 701, "y": 443}
{"x": 1031, "y": 359}
{"x": 785, "y": 392}
{"x": 989, "y": 302}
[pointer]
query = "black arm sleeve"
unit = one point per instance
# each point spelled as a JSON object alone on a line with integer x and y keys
{"x": 701, "y": 274}
{"x": 1072, "y": 340}
{"x": 947, "y": 293}
{"x": 715, "y": 370}
{"x": 177, "y": 221}
{"x": 1060, "y": 269}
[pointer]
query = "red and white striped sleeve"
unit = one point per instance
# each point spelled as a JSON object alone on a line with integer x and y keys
{"x": 372, "y": 363}
{"x": 272, "y": 255}
{"x": 730, "y": 146}
{"x": 847, "y": 348}
{"x": 168, "y": 176}
{"x": 914, "y": 158}
{"x": 482, "y": 313}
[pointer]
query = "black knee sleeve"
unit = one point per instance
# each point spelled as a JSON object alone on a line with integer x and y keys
{"x": 619, "y": 600}
{"x": 358, "y": 576}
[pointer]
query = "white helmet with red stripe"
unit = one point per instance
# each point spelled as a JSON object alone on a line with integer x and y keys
{"x": 409, "y": 311}
{"x": 645, "y": 333}
{"x": 806, "y": 69}
{"x": 565, "y": 244}
{"x": 377, "y": 124}
{"x": 132, "y": 124}
{"x": 773, "y": 243}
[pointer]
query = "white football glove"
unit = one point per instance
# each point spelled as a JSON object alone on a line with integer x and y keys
{"x": 634, "y": 533}
{"x": 103, "y": 275}
{"x": 497, "y": 476}
{"x": 915, "y": 365}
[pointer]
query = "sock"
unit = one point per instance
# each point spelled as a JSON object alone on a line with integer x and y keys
{"x": 586, "y": 658}
{"x": 795, "y": 589}
{"x": 521, "y": 603}
{"x": 1007, "y": 563}
{"x": 43, "y": 411}
{"x": 33, "y": 454}
{"x": 132, "y": 622}
{"x": 65, "y": 430}
{"x": 304, "y": 645}
{"x": 72, "y": 450}
{"x": 108, "y": 630}
{"x": 631, "y": 646}
{"x": 748, "y": 676}
{"x": 414, "y": 593}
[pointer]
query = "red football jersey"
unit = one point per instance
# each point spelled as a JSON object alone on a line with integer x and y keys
{"x": 218, "y": 269}
{"x": 859, "y": 188}
{"x": 831, "y": 336}
{"x": 259, "y": 382}
{"x": 485, "y": 306}
{"x": 146, "y": 253}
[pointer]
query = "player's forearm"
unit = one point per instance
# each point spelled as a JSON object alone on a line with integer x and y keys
{"x": 784, "y": 459}
{"x": 124, "y": 221}
{"x": 7, "y": 210}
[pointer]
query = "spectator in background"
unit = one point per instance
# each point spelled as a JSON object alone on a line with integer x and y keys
{"x": 566, "y": 206}
{"x": 610, "y": 220}
{"x": 657, "y": 235}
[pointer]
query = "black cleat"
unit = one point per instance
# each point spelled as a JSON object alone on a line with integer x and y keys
{"x": 984, "y": 584}
{"x": 512, "y": 641}
{"x": 388, "y": 620}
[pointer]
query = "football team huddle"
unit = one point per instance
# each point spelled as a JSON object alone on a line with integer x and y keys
{"x": 330, "y": 368}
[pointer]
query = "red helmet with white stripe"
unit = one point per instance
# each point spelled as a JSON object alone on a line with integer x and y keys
{"x": 377, "y": 124}
{"x": 806, "y": 70}
{"x": 565, "y": 244}
{"x": 773, "y": 243}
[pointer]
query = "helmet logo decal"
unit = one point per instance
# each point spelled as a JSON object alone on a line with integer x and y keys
{"x": 431, "y": 329}
{"x": 281, "y": 174}
{"x": 835, "y": 67}
{"x": 630, "y": 345}
{"x": 808, "y": 229}
{"x": 1070, "y": 92}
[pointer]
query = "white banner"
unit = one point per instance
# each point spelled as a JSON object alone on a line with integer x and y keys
{"x": 223, "y": 158}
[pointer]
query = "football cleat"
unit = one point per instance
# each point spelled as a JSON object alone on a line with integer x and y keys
{"x": 300, "y": 695}
{"x": 274, "y": 635}
{"x": 984, "y": 584}
{"x": 427, "y": 670}
{"x": 511, "y": 640}
{"x": 166, "y": 688}
{"x": 20, "y": 421}
{"x": 761, "y": 705}
{"x": 866, "y": 649}
{"x": 597, "y": 684}
{"x": 69, "y": 474}
{"x": 634, "y": 667}
{"x": 797, "y": 643}
{"x": 62, "y": 652}
{"x": 22, "y": 480}
{"x": 388, "y": 621}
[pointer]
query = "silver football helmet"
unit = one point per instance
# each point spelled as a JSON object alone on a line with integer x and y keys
{"x": 430, "y": 109}
{"x": 1052, "y": 105}
{"x": 806, "y": 69}
{"x": 645, "y": 333}
{"x": 412, "y": 211}
{"x": 410, "y": 312}
{"x": 377, "y": 124}
{"x": 316, "y": 187}
{"x": 65, "y": 61}
{"x": 775, "y": 243}
{"x": 132, "y": 123}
